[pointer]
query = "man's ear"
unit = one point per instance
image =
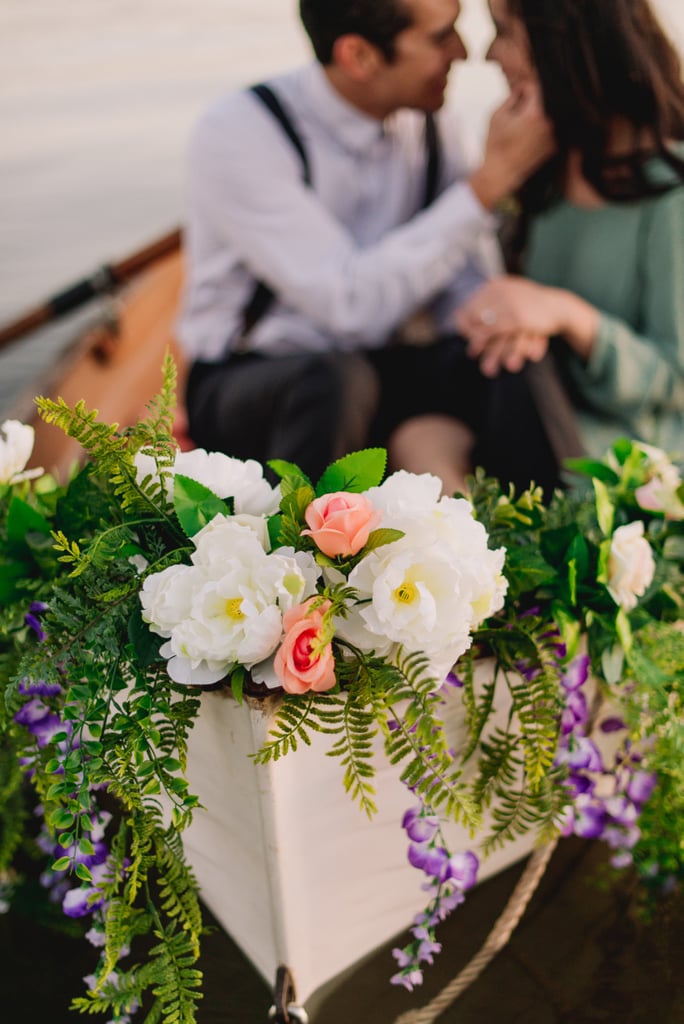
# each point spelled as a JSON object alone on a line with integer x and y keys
{"x": 356, "y": 57}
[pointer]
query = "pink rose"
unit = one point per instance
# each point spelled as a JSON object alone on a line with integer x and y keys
{"x": 340, "y": 523}
{"x": 301, "y": 664}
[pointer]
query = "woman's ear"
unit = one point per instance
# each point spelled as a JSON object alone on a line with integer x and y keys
{"x": 356, "y": 57}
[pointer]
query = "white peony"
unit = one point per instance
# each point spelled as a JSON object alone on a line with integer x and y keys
{"x": 166, "y": 598}
{"x": 233, "y": 478}
{"x": 225, "y": 476}
{"x": 16, "y": 445}
{"x": 630, "y": 565}
{"x": 428, "y": 590}
{"x": 219, "y": 541}
{"x": 226, "y": 608}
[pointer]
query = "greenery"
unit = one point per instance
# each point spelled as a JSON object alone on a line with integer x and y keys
{"x": 92, "y": 721}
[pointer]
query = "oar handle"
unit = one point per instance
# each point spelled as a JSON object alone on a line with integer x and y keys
{"x": 107, "y": 277}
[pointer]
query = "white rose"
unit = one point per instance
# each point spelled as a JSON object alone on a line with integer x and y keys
{"x": 630, "y": 565}
{"x": 16, "y": 445}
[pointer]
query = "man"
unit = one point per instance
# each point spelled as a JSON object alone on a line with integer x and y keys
{"x": 348, "y": 258}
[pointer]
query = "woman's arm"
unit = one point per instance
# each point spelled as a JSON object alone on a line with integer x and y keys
{"x": 620, "y": 367}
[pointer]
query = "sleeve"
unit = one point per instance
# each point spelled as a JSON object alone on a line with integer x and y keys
{"x": 248, "y": 185}
{"x": 632, "y": 371}
{"x": 462, "y": 154}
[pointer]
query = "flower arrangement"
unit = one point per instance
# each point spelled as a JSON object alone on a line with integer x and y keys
{"x": 363, "y": 604}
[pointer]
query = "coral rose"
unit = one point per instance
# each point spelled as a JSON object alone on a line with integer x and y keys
{"x": 301, "y": 663}
{"x": 340, "y": 523}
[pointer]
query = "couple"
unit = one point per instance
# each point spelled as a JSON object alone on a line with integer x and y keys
{"x": 322, "y": 248}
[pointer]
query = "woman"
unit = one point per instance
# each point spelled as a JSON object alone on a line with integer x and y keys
{"x": 600, "y": 238}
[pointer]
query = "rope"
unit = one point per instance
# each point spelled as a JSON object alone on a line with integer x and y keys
{"x": 495, "y": 942}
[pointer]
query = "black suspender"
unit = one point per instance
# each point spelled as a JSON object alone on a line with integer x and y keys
{"x": 263, "y": 296}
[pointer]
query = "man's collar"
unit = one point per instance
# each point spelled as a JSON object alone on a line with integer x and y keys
{"x": 352, "y": 128}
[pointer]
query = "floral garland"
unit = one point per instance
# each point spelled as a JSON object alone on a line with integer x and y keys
{"x": 365, "y": 603}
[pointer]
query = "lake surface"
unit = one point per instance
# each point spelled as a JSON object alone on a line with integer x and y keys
{"x": 97, "y": 98}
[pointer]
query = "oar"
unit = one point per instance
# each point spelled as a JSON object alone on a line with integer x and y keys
{"x": 106, "y": 277}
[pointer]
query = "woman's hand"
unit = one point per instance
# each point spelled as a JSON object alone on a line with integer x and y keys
{"x": 512, "y": 307}
{"x": 509, "y": 352}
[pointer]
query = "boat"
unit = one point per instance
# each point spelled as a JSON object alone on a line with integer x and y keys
{"x": 301, "y": 915}
{"x": 115, "y": 363}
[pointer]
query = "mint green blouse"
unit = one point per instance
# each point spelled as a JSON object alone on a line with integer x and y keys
{"x": 627, "y": 260}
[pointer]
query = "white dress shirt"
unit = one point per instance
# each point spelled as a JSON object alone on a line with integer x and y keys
{"x": 351, "y": 258}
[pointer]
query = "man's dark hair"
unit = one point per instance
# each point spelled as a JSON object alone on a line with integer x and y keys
{"x": 378, "y": 21}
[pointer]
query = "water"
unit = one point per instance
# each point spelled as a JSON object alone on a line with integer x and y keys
{"x": 97, "y": 98}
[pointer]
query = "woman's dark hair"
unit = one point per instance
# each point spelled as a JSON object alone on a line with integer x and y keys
{"x": 378, "y": 21}
{"x": 597, "y": 61}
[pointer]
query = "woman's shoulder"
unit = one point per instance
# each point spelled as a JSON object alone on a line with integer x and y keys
{"x": 662, "y": 172}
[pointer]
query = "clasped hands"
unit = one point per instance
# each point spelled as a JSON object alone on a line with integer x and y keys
{"x": 508, "y": 322}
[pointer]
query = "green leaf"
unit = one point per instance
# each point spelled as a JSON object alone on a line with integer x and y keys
{"x": 22, "y": 518}
{"x": 83, "y": 873}
{"x": 673, "y": 549}
{"x": 145, "y": 643}
{"x": 292, "y": 476}
{"x": 526, "y": 570}
{"x": 62, "y": 864}
{"x": 355, "y": 473}
{"x": 62, "y": 818}
{"x": 578, "y": 552}
{"x": 196, "y": 505}
{"x": 605, "y": 510}
{"x": 569, "y": 625}
{"x": 274, "y": 525}
{"x": 624, "y": 630}
{"x": 237, "y": 683}
{"x": 603, "y": 561}
{"x": 592, "y": 468}
{"x": 10, "y": 574}
{"x": 378, "y": 538}
{"x": 297, "y": 501}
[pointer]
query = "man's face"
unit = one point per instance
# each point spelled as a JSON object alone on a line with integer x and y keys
{"x": 423, "y": 55}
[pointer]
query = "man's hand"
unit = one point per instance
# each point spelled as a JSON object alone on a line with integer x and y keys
{"x": 519, "y": 140}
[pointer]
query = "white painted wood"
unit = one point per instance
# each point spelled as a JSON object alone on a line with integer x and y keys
{"x": 293, "y": 870}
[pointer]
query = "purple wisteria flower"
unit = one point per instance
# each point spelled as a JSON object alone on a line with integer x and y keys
{"x": 449, "y": 876}
{"x": 420, "y": 827}
{"x": 41, "y": 721}
{"x": 32, "y": 618}
{"x": 610, "y": 813}
{"x": 38, "y": 688}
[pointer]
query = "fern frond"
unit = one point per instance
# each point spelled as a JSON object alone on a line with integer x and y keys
{"x": 294, "y": 715}
{"x": 355, "y": 749}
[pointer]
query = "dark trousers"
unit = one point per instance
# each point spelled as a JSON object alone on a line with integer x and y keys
{"x": 311, "y": 408}
{"x": 307, "y": 408}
